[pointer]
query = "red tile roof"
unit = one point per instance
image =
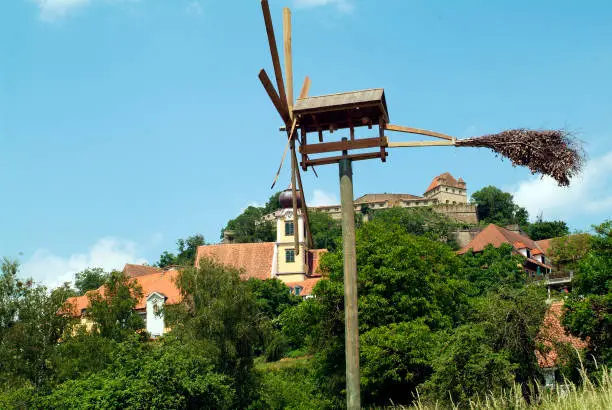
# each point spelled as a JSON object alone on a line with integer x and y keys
{"x": 314, "y": 256}
{"x": 553, "y": 332}
{"x": 536, "y": 251}
{"x": 445, "y": 179}
{"x": 307, "y": 285}
{"x": 255, "y": 259}
{"x": 496, "y": 236}
{"x": 160, "y": 282}
{"x": 139, "y": 270}
{"x": 544, "y": 244}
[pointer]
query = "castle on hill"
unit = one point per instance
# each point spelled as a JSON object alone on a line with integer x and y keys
{"x": 445, "y": 195}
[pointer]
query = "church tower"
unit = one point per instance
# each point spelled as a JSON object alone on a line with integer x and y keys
{"x": 289, "y": 265}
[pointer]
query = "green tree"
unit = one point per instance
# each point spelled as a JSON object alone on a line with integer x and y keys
{"x": 498, "y": 207}
{"x": 493, "y": 268}
{"x": 250, "y": 227}
{"x": 418, "y": 221}
{"x": 465, "y": 359}
{"x": 32, "y": 322}
{"x": 565, "y": 252}
{"x": 89, "y": 279}
{"x": 221, "y": 311}
{"x": 112, "y": 309}
{"x": 187, "y": 250}
{"x": 326, "y": 231}
{"x": 401, "y": 278}
{"x": 589, "y": 306}
{"x": 272, "y": 296}
{"x": 547, "y": 229}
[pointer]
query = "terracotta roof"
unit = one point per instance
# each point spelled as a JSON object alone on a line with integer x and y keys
{"x": 544, "y": 244}
{"x": 445, "y": 179}
{"x": 139, "y": 270}
{"x": 254, "y": 258}
{"x": 552, "y": 332}
{"x": 314, "y": 256}
{"x": 519, "y": 245}
{"x": 160, "y": 282}
{"x": 496, "y": 236}
{"x": 536, "y": 251}
{"x": 307, "y": 285}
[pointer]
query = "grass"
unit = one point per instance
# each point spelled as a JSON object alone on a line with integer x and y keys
{"x": 592, "y": 394}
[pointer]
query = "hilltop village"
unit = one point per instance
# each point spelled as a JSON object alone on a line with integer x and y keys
{"x": 445, "y": 297}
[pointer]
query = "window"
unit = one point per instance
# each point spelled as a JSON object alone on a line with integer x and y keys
{"x": 290, "y": 255}
{"x": 298, "y": 289}
{"x": 289, "y": 228}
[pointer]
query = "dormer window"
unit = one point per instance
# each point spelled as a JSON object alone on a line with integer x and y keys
{"x": 298, "y": 290}
{"x": 289, "y": 228}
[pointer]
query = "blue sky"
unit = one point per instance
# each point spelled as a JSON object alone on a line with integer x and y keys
{"x": 126, "y": 124}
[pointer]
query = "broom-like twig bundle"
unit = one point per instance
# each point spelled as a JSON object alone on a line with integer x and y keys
{"x": 550, "y": 152}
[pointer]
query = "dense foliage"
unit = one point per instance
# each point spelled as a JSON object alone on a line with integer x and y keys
{"x": 498, "y": 207}
{"x": 449, "y": 327}
{"x": 186, "y": 252}
{"x": 547, "y": 229}
{"x": 89, "y": 279}
{"x": 589, "y": 307}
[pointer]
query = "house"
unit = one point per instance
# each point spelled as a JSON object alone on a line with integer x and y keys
{"x": 551, "y": 334}
{"x": 297, "y": 268}
{"x": 158, "y": 288}
{"x": 535, "y": 263}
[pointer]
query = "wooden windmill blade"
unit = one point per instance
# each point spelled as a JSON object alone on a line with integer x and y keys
{"x": 265, "y": 8}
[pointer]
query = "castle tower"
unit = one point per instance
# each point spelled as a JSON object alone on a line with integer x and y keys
{"x": 447, "y": 190}
{"x": 289, "y": 265}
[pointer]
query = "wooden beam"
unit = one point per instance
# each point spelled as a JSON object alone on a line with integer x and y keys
{"x": 288, "y": 58}
{"x": 274, "y": 52}
{"x": 305, "y": 88}
{"x": 280, "y": 107}
{"x": 333, "y": 160}
{"x": 420, "y": 144}
{"x": 343, "y": 145}
{"x": 411, "y": 130}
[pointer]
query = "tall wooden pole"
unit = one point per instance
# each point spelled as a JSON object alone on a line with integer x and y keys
{"x": 351, "y": 328}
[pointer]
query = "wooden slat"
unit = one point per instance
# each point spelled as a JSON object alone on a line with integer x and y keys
{"x": 280, "y": 107}
{"x": 333, "y": 160}
{"x": 342, "y": 145}
{"x": 305, "y": 88}
{"x": 420, "y": 144}
{"x": 288, "y": 58}
{"x": 265, "y": 8}
{"x": 411, "y": 130}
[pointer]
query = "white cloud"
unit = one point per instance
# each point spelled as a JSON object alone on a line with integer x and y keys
{"x": 588, "y": 193}
{"x": 53, "y": 270}
{"x": 56, "y": 10}
{"x": 322, "y": 198}
{"x": 345, "y": 6}
{"x": 194, "y": 7}
{"x": 51, "y": 10}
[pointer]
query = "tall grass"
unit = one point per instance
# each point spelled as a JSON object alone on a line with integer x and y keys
{"x": 594, "y": 393}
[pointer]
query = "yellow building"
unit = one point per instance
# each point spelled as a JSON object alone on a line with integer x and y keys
{"x": 296, "y": 267}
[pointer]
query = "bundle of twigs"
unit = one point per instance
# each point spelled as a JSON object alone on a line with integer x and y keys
{"x": 550, "y": 152}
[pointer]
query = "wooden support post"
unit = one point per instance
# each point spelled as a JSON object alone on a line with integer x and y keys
{"x": 383, "y": 142}
{"x": 296, "y": 224}
{"x": 303, "y": 143}
{"x": 351, "y": 328}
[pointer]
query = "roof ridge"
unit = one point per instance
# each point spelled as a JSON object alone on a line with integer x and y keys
{"x": 341, "y": 93}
